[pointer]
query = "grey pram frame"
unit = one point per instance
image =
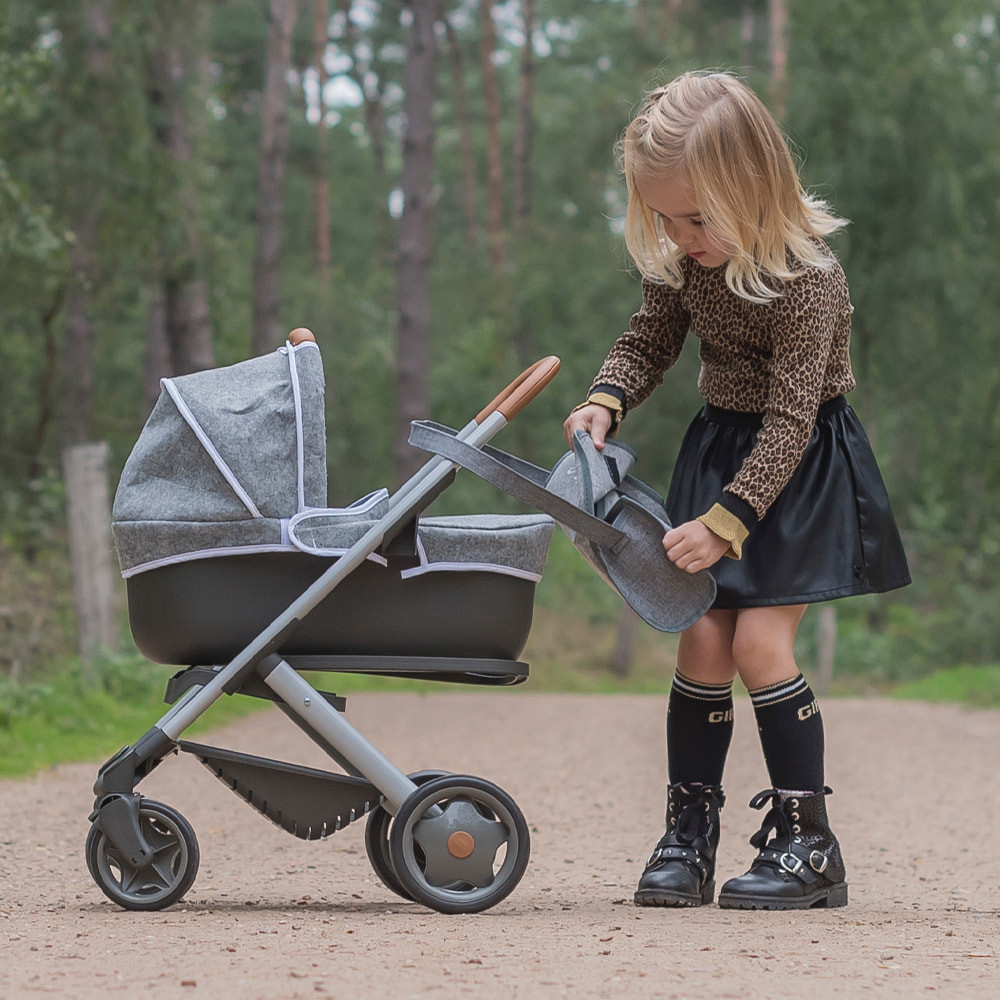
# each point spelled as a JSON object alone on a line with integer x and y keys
{"x": 455, "y": 843}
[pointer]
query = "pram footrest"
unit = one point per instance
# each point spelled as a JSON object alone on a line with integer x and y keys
{"x": 308, "y": 803}
{"x": 428, "y": 668}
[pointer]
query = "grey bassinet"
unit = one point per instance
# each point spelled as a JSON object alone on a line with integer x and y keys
{"x": 220, "y": 522}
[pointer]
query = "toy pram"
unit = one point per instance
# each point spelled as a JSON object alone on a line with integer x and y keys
{"x": 234, "y": 564}
{"x": 232, "y": 558}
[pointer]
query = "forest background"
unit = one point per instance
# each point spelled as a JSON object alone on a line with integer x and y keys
{"x": 431, "y": 188}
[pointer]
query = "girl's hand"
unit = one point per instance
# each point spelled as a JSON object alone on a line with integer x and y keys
{"x": 595, "y": 419}
{"x": 692, "y": 546}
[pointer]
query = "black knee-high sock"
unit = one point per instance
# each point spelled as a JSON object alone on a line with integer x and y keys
{"x": 791, "y": 734}
{"x": 699, "y": 730}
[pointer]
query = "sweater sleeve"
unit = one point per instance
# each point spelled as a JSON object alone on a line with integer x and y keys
{"x": 804, "y": 324}
{"x": 639, "y": 357}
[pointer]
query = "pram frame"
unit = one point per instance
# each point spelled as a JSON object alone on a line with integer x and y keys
{"x": 126, "y": 829}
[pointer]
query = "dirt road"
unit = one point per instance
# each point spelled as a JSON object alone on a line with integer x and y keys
{"x": 917, "y": 810}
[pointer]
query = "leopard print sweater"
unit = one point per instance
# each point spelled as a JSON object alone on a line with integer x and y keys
{"x": 782, "y": 359}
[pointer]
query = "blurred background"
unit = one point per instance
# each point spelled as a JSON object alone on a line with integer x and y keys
{"x": 431, "y": 188}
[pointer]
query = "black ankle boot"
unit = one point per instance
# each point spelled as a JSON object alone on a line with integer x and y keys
{"x": 801, "y": 867}
{"x": 681, "y": 869}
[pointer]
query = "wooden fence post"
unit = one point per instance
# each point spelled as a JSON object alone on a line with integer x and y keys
{"x": 85, "y": 469}
{"x": 826, "y": 645}
{"x": 623, "y": 656}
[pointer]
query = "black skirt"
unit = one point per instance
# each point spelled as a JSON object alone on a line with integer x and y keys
{"x": 829, "y": 534}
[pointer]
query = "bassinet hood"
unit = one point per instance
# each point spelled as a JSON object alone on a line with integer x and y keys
{"x": 224, "y": 457}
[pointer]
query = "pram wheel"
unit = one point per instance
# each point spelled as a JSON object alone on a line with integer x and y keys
{"x": 459, "y": 844}
{"x": 377, "y": 838}
{"x": 160, "y": 882}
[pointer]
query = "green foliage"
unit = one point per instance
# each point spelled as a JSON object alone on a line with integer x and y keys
{"x": 893, "y": 106}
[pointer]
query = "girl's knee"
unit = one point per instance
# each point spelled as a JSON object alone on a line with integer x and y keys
{"x": 754, "y": 652}
{"x": 705, "y": 650}
{"x": 764, "y": 645}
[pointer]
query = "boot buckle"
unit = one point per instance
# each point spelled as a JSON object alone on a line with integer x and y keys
{"x": 818, "y": 862}
{"x": 790, "y": 863}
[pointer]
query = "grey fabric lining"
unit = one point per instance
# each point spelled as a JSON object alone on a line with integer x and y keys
{"x": 516, "y": 541}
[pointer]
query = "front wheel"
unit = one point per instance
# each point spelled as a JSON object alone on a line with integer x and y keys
{"x": 459, "y": 844}
{"x": 157, "y": 883}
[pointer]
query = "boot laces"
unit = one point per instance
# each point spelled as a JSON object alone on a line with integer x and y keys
{"x": 780, "y": 819}
{"x": 699, "y": 813}
{"x": 775, "y": 821}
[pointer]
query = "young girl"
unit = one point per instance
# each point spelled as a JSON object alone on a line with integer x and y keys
{"x": 775, "y": 488}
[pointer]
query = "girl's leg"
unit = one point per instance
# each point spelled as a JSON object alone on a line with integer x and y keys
{"x": 800, "y": 866}
{"x": 681, "y": 870}
{"x": 700, "y": 709}
{"x": 788, "y": 719}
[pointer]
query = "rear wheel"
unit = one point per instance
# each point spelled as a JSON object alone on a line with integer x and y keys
{"x": 377, "y": 838}
{"x": 459, "y": 844}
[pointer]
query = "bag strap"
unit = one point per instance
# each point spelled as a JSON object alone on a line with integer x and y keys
{"x": 516, "y": 477}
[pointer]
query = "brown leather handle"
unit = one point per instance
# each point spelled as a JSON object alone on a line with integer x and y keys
{"x": 523, "y": 389}
{"x": 300, "y": 335}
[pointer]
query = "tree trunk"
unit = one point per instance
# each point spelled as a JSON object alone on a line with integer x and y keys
{"x": 522, "y": 166}
{"x": 494, "y": 159}
{"x": 748, "y": 31}
{"x": 413, "y": 293}
{"x": 156, "y": 360}
{"x": 321, "y": 185}
{"x": 523, "y": 137}
{"x": 469, "y": 185}
{"x": 179, "y": 290}
{"x": 80, "y": 341}
{"x": 189, "y": 328}
{"x": 778, "y": 43}
{"x": 267, "y": 334}
{"x": 47, "y": 386}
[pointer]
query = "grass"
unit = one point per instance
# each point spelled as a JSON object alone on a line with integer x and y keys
{"x": 62, "y": 718}
{"x": 977, "y": 687}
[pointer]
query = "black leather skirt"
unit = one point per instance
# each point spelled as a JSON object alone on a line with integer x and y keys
{"x": 829, "y": 534}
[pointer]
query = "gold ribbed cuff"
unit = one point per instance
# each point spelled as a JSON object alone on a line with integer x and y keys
{"x": 605, "y": 399}
{"x": 728, "y": 527}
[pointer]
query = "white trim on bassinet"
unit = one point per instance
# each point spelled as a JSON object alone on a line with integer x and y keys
{"x": 463, "y": 567}
{"x": 206, "y": 442}
{"x": 234, "y": 550}
{"x": 300, "y": 455}
{"x": 355, "y": 512}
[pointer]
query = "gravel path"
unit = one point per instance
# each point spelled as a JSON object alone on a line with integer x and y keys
{"x": 917, "y": 810}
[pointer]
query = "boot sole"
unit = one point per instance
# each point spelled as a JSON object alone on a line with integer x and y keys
{"x": 653, "y": 897}
{"x": 834, "y": 895}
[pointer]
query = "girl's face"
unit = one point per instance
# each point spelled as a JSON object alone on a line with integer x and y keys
{"x": 672, "y": 199}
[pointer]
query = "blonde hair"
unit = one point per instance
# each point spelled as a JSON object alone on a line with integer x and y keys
{"x": 713, "y": 131}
